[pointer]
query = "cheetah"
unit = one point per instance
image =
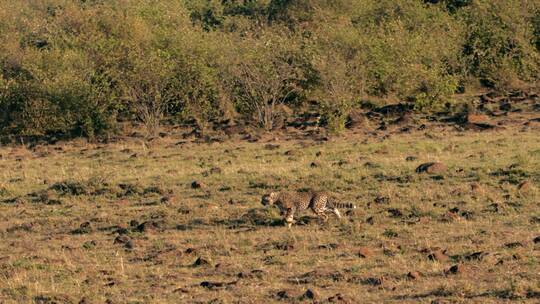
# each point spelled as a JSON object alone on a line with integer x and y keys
{"x": 318, "y": 202}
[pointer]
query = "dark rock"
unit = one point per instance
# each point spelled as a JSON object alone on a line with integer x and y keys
{"x": 455, "y": 269}
{"x": 125, "y": 241}
{"x": 438, "y": 255}
{"x": 373, "y": 281}
{"x": 197, "y": 185}
{"x": 382, "y": 199}
{"x": 200, "y": 261}
{"x": 216, "y": 285}
{"x": 84, "y": 228}
{"x": 311, "y": 294}
{"x": 513, "y": 245}
{"x": 395, "y": 212}
{"x": 339, "y": 298}
{"x": 148, "y": 226}
{"x": 476, "y": 256}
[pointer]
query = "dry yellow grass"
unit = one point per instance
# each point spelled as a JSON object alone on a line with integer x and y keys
{"x": 146, "y": 226}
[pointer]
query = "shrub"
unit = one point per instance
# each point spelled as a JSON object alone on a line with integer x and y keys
{"x": 536, "y": 29}
{"x": 341, "y": 79}
{"x": 408, "y": 51}
{"x": 499, "y": 47}
{"x": 76, "y": 67}
{"x": 264, "y": 76}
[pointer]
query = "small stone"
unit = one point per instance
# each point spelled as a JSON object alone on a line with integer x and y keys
{"x": 190, "y": 250}
{"x": 393, "y": 212}
{"x": 374, "y": 281}
{"x": 290, "y": 153}
{"x": 450, "y": 217}
{"x": 201, "y": 262}
{"x": 148, "y": 226}
{"x": 213, "y": 170}
{"x": 476, "y": 256}
{"x": 414, "y": 275}
{"x": 455, "y": 269}
{"x": 476, "y": 187}
{"x": 382, "y": 199}
{"x": 339, "y": 298}
{"x": 122, "y": 201}
{"x": 536, "y": 240}
{"x": 513, "y": 245}
{"x": 438, "y": 255}
{"x": 89, "y": 244}
{"x": 124, "y": 240}
{"x": 84, "y": 228}
{"x": 197, "y": 185}
{"x": 211, "y": 285}
{"x": 84, "y": 300}
{"x": 432, "y": 168}
{"x": 365, "y": 252}
{"x": 371, "y": 165}
{"x": 282, "y": 294}
{"x": 289, "y": 294}
{"x": 121, "y": 239}
{"x": 525, "y": 186}
{"x": 311, "y": 294}
{"x": 168, "y": 199}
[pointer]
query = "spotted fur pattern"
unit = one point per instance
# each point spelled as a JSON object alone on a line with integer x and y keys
{"x": 290, "y": 202}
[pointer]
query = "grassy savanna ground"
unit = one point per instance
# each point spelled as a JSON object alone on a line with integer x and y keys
{"x": 144, "y": 226}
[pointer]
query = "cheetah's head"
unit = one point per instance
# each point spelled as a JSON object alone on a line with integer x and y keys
{"x": 269, "y": 199}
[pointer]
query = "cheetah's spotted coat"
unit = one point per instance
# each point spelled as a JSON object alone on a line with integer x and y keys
{"x": 290, "y": 202}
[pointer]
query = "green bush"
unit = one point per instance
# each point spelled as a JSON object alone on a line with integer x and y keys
{"x": 499, "y": 47}
{"x": 408, "y": 50}
{"x": 536, "y": 29}
{"x": 77, "y": 67}
{"x": 264, "y": 74}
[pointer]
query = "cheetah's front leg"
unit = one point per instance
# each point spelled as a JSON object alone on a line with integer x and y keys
{"x": 289, "y": 217}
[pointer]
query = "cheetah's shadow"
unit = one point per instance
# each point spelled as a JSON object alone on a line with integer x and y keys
{"x": 269, "y": 217}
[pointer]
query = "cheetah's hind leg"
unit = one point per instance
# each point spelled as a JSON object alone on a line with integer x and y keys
{"x": 334, "y": 211}
{"x": 323, "y": 216}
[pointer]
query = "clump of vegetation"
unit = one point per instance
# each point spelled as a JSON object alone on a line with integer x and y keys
{"x": 77, "y": 68}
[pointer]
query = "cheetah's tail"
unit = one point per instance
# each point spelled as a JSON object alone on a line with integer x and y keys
{"x": 341, "y": 205}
